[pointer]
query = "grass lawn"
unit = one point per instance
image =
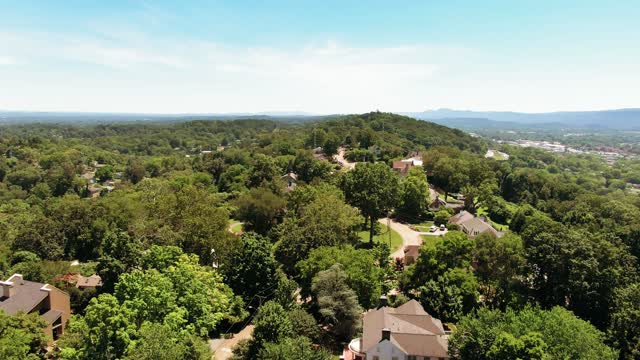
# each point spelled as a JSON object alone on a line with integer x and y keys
{"x": 237, "y": 228}
{"x": 423, "y": 226}
{"x": 497, "y": 155}
{"x": 497, "y": 226}
{"x": 396, "y": 239}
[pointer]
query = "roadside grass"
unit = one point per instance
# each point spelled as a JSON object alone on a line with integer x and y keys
{"x": 396, "y": 239}
{"x": 496, "y": 225}
{"x": 423, "y": 226}
{"x": 237, "y": 227}
{"x": 497, "y": 155}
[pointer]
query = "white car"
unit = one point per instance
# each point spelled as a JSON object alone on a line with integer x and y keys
{"x": 433, "y": 228}
{"x": 442, "y": 228}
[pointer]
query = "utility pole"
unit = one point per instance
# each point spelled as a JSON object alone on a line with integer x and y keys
{"x": 389, "y": 230}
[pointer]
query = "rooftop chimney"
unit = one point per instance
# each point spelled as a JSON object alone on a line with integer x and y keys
{"x": 383, "y": 301}
{"x": 386, "y": 334}
{"x": 8, "y": 290}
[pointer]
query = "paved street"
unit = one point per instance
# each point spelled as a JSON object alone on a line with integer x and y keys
{"x": 339, "y": 157}
{"x": 222, "y": 348}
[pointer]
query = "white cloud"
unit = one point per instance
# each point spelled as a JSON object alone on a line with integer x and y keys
{"x": 196, "y": 76}
{"x": 7, "y": 60}
{"x": 127, "y": 71}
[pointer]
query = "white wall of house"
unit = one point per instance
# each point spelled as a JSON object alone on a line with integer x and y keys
{"x": 385, "y": 350}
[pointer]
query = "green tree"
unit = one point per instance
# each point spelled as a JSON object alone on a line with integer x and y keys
{"x": 325, "y": 221}
{"x": 201, "y": 292}
{"x": 293, "y": 348}
{"x": 528, "y": 347}
{"x": 450, "y": 295}
{"x": 373, "y": 188}
{"x": 260, "y": 209}
{"x": 157, "y": 341}
{"x": 565, "y": 335}
{"x": 104, "y": 173}
{"x": 624, "y": 327}
{"x": 363, "y": 276}
{"x": 148, "y": 294}
{"x": 251, "y": 269}
{"x": 304, "y": 324}
{"x": 25, "y": 178}
{"x": 442, "y": 217}
{"x": 415, "y": 194}
{"x": 135, "y": 172}
{"x": 264, "y": 169}
{"x": 337, "y": 303}
{"x": 104, "y": 332}
{"x": 271, "y": 326}
{"x": 332, "y": 144}
{"x": 22, "y": 336}
{"x": 499, "y": 264}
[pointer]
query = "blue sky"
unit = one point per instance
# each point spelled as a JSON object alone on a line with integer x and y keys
{"x": 318, "y": 56}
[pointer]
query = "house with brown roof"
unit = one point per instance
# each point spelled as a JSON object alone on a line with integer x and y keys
{"x": 402, "y": 167}
{"x": 88, "y": 282}
{"x": 52, "y": 304}
{"x": 411, "y": 253}
{"x": 407, "y": 332}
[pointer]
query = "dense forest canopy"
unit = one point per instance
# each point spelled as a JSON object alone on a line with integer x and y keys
{"x": 152, "y": 207}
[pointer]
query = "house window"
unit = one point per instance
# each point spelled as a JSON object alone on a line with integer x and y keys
{"x": 394, "y": 358}
{"x": 412, "y": 357}
{"x": 376, "y": 357}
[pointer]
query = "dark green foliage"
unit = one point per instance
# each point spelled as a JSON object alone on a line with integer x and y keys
{"x": 293, "y": 348}
{"x": 624, "y": 328}
{"x": 532, "y": 333}
{"x": 338, "y": 304}
{"x": 251, "y": 270}
{"x": 363, "y": 276}
{"x": 373, "y": 188}
{"x": 260, "y": 209}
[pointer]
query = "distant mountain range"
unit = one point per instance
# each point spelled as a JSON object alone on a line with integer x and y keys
{"x": 14, "y": 117}
{"x": 621, "y": 119}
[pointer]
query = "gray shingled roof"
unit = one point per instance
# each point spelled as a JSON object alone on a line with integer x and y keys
{"x": 26, "y": 297}
{"x": 51, "y": 316}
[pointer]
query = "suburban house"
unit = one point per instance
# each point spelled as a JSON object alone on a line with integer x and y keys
{"x": 290, "y": 180}
{"x": 407, "y": 332}
{"x": 89, "y": 176}
{"x": 411, "y": 253}
{"x": 94, "y": 191}
{"x": 402, "y": 167}
{"x": 87, "y": 282}
{"x": 52, "y": 304}
{"x": 438, "y": 204}
{"x": 472, "y": 225}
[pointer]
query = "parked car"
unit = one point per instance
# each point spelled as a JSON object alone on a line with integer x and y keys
{"x": 433, "y": 228}
{"x": 442, "y": 227}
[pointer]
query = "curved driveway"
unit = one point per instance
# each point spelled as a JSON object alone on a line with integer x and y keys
{"x": 409, "y": 236}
